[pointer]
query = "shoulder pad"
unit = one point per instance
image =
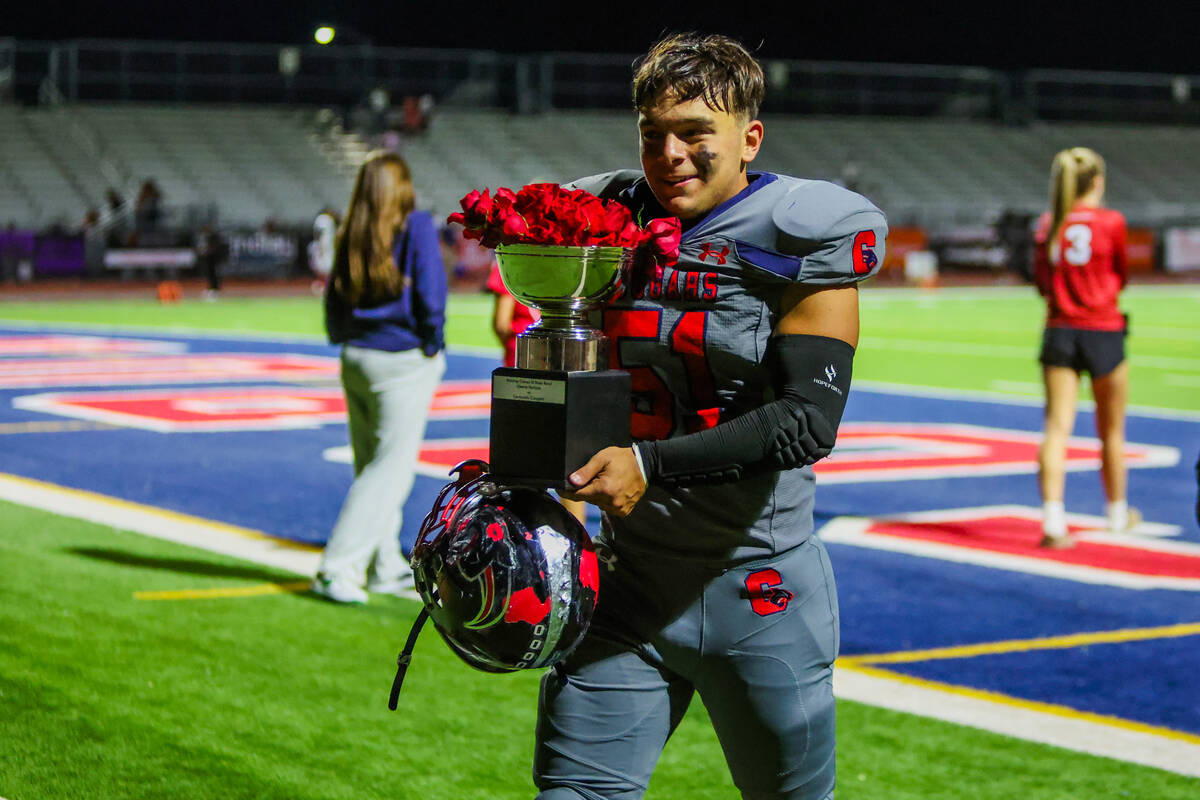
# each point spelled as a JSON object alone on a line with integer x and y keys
{"x": 839, "y": 233}
{"x": 818, "y": 211}
{"x": 606, "y": 185}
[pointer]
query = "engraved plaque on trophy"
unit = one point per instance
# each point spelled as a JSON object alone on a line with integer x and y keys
{"x": 561, "y": 404}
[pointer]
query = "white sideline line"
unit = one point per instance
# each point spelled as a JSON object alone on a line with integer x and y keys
{"x": 1061, "y": 730}
{"x": 183, "y": 529}
{"x": 1082, "y": 735}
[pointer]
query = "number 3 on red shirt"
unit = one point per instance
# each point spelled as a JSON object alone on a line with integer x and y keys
{"x": 655, "y": 408}
{"x": 1079, "y": 245}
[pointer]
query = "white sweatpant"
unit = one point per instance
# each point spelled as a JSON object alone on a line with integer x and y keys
{"x": 387, "y": 401}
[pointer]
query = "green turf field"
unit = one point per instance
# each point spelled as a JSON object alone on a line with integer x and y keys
{"x": 105, "y": 695}
{"x": 988, "y": 339}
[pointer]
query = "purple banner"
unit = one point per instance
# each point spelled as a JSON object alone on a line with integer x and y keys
{"x": 17, "y": 245}
{"x": 59, "y": 255}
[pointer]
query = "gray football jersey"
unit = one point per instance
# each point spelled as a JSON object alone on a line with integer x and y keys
{"x": 694, "y": 342}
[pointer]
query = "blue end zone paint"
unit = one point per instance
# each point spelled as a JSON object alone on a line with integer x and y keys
{"x": 279, "y": 482}
{"x": 1155, "y": 680}
{"x": 893, "y": 601}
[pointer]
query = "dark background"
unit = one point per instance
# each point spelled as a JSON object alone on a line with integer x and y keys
{"x": 1143, "y": 37}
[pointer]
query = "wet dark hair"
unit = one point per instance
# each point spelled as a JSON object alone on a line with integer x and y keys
{"x": 686, "y": 66}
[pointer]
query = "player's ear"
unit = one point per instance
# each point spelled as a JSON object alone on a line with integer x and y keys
{"x": 752, "y": 138}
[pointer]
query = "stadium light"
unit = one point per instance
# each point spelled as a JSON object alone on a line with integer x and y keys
{"x": 324, "y": 34}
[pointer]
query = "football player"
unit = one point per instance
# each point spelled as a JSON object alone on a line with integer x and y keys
{"x": 1080, "y": 267}
{"x": 712, "y": 581}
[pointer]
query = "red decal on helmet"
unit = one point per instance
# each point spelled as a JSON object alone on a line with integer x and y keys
{"x": 451, "y": 507}
{"x": 495, "y": 531}
{"x": 765, "y": 595}
{"x": 525, "y": 607}
{"x": 589, "y": 570}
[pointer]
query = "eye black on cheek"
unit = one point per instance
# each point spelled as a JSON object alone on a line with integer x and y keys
{"x": 704, "y": 158}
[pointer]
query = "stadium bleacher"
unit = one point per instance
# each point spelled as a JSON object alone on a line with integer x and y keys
{"x": 251, "y": 163}
{"x": 939, "y": 149}
{"x": 925, "y": 171}
{"x": 255, "y": 163}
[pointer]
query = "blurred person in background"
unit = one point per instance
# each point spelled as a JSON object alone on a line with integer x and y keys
{"x": 115, "y": 218}
{"x": 147, "y": 211}
{"x": 320, "y": 249}
{"x": 211, "y": 253}
{"x": 1080, "y": 270}
{"x": 510, "y": 318}
{"x": 385, "y": 304}
{"x": 92, "y": 231}
{"x": 471, "y": 262}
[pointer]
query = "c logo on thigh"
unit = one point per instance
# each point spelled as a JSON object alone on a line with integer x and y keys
{"x": 766, "y": 596}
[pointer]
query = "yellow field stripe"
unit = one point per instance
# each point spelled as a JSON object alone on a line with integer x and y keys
{"x": 1025, "y": 645}
{"x": 54, "y": 427}
{"x": 1016, "y": 702}
{"x": 290, "y": 587}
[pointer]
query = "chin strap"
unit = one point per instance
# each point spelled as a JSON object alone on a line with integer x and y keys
{"x": 405, "y": 657}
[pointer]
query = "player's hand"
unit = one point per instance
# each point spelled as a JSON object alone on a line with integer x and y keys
{"x": 611, "y": 480}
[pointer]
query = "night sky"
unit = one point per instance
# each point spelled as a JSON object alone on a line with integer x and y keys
{"x": 1004, "y": 34}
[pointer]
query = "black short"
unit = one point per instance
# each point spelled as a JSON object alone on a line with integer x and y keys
{"x": 1094, "y": 352}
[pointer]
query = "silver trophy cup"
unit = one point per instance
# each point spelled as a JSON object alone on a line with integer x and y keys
{"x": 562, "y": 403}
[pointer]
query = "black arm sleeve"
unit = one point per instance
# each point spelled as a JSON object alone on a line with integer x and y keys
{"x": 811, "y": 375}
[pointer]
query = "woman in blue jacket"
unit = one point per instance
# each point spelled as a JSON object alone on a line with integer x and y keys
{"x": 385, "y": 304}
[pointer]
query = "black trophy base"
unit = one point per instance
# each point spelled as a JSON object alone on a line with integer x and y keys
{"x": 546, "y": 424}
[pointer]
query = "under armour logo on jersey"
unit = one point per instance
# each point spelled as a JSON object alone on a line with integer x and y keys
{"x": 865, "y": 259}
{"x": 831, "y": 372}
{"x": 606, "y": 556}
{"x": 719, "y": 255}
{"x": 766, "y": 596}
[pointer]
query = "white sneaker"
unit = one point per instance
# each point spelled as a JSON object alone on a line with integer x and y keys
{"x": 1133, "y": 519}
{"x": 402, "y": 586}
{"x": 339, "y": 590}
{"x": 1052, "y": 542}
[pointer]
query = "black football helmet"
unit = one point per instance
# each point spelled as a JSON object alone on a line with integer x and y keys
{"x": 508, "y": 576}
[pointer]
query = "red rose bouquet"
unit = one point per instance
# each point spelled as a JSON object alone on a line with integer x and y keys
{"x": 546, "y": 213}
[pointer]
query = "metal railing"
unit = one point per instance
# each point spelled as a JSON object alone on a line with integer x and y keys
{"x": 1112, "y": 96}
{"x": 343, "y": 75}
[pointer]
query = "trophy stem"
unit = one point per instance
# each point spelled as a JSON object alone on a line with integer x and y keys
{"x": 564, "y": 345}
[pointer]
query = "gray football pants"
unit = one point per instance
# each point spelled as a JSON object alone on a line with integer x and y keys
{"x": 761, "y": 660}
{"x": 387, "y": 402}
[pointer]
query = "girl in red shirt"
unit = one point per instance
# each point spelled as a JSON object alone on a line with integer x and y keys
{"x": 510, "y": 317}
{"x": 1080, "y": 269}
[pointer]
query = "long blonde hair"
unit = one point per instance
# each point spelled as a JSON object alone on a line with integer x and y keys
{"x": 1072, "y": 174}
{"x": 364, "y": 268}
